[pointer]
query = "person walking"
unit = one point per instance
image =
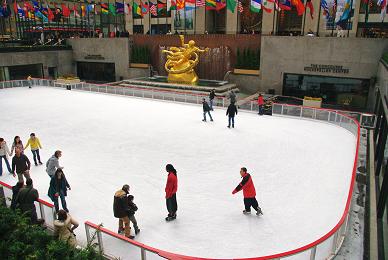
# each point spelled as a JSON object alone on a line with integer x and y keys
{"x": 232, "y": 97}
{"x": 260, "y": 102}
{"x": 206, "y": 109}
{"x": 35, "y": 145}
{"x": 4, "y": 152}
{"x": 231, "y": 112}
{"x": 171, "y": 189}
{"x": 212, "y": 95}
{"x": 26, "y": 201}
{"x": 64, "y": 228}
{"x": 29, "y": 78}
{"x": 58, "y": 188}
{"x": 121, "y": 210}
{"x": 17, "y": 143}
{"x": 131, "y": 214}
{"x": 21, "y": 164}
{"x": 53, "y": 163}
{"x": 249, "y": 192}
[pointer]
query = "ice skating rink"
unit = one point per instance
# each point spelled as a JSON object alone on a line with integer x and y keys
{"x": 301, "y": 169}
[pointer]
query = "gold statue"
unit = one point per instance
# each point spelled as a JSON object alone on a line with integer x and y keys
{"x": 181, "y": 62}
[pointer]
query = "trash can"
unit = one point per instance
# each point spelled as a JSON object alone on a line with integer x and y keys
{"x": 68, "y": 87}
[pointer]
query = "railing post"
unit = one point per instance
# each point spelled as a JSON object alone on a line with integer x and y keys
{"x": 315, "y": 114}
{"x": 143, "y": 254}
{"x": 313, "y": 253}
{"x": 281, "y": 112}
{"x": 87, "y": 229}
{"x": 334, "y": 246}
{"x": 99, "y": 239}
{"x": 42, "y": 211}
{"x": 251, "y": 106}
{"x": 223, "y": 102}
{"x": 301, "y": 111}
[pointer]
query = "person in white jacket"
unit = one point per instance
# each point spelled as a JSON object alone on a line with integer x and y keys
{"x": 53, "y": 163}
{"x": 4, "y": 152}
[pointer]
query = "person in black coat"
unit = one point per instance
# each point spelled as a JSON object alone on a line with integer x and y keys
{"x": 231, "y": 112}
{"x": 21, "y": 164}
{"x": 15, "y": 192}
{"x": 212, "y": 95}
{"x": 58, "y": 188}
{"x": 121, "y": 210}
{"x": 131, "y": 214}
{"x": 206, "y": 109}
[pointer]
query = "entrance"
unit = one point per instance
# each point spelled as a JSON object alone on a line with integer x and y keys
{"x": 23, "y": 71}
{"x": 336, "y": 93}
{"x": 97, "y": 72}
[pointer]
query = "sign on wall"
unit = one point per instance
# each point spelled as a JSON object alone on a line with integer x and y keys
{"x": 327, "y": 69}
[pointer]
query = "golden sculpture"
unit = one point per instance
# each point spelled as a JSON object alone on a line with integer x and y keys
{"x": 181, "y": 62}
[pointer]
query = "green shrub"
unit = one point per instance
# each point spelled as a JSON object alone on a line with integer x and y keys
{"x": 140, "y": 54}
{"x": 385, "y": 57}
{"x": 20, "y": 240}
{"x": 248, "y": 59}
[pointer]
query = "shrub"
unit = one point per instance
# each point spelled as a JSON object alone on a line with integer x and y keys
{"x": 248, "y": 59}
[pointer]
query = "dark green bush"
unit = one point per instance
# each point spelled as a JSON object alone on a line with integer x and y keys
{"x": 140, "y": 54}
{"x": 248, "y": 59}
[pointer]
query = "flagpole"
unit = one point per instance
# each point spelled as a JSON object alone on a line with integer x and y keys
{"x": 304, "y": 18}
{"x": 16, "y": 24}
{"x": 319, "y": 17}
{"x": 238, "y": 15}
{"x": 273, "y": 20}
{"x": 166, "y": 17}
{"x": 334, "y": 15}
{"x": 195, "y": 15}
{"x": 149, "y": 18}
{"x": 350, "y": 16}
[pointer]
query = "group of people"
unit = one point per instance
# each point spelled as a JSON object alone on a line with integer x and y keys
{"x": 25, "y": 196}
{"x": 231, "y": 112}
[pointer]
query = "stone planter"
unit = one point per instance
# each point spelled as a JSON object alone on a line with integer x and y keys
{"x": 312, "y": 103}
{"x": 246, "y": 72}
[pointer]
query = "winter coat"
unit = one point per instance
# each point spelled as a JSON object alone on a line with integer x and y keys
{"x": 212, "y": 95}
{"x": 120, "y": 204}
{"x": 132, "y": 208}
{"x": 232, "y": 97}
{"x": 52, "y": 165}
{"x": 58, "y": 186}
{"x": 247, "y": 186}
{"x": 4, "y": 150}
{"x": 26, "y": 198}
{"x": 62, "y": 230}
{"x": 205, "y": 106}
{"x": 171, "y": 185}
{"x": 15, "y": 192}
{"x": 232, "y": 110}
{"x": 21, "y": 163}
{"x": 14, "y": 146}
{"x": 35, "y": 144}
{"x": 260, "y": 101}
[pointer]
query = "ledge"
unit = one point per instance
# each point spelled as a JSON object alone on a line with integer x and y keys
{"x": 139, "y": 65}
{"x": 247, "y": 72}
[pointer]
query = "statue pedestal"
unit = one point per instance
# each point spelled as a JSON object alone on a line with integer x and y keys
{"x": 189, "y": 78}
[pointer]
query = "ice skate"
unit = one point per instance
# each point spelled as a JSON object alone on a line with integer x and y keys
{"x": 137, "y": 231}
{"x": 246, "y": 212}
{"x": 203, "y": 120}
{"x": 169, "y": 218}
{"x": 259, "y": 212}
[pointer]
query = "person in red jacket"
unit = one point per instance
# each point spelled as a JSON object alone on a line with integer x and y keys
{"x": 171, "y": 189}
{"x": 260, "y": 102}
{"x": 249, "y": 192}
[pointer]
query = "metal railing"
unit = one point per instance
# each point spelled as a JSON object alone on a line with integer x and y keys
{"x": 325, "y": 247}
{"x": 46, "y": 210}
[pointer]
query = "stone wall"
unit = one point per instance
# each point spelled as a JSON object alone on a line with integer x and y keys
{"x": 61, "y": 59}
{"x": 281, "y": 55}
{"x": 248, "y": 84}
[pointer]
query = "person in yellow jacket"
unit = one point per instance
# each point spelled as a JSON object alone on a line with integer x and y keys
{"x": 29, "y": 78}
{"x": 35, "y": 145}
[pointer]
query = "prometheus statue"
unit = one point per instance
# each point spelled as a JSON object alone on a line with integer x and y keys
{"x": 181, "y": 62}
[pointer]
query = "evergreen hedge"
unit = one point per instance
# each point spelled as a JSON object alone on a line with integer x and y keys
{"x": 140, "y": 54}
{"x": 20, "y": 240}
{"x": 248, "y": 59}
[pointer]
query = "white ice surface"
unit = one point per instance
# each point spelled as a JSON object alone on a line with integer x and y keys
{"x": 301, "y": 169}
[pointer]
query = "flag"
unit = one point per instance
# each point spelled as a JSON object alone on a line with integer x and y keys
{"x": 231, "y": 5}
{"x": 201, "y": 3}
{"x": 220, "y": 4}
{"x": 210, "y": 4}
{"x": 266, "y": 6}
{"x": 309, "y": 4}
{"x": 127, "y": 8}
{"x": 50, "y": 14}
{"x": 136, "y": 9}
{"x": 285, "y": 5}
{"x": 104, "y": 8}
{"x": 189, "y": 5}
{"x": 162, "y": 7}
{"x": 255, "y": 6}
{"x": 383, "y": 5}
{"x": 5, "y": 11}
{"x": 180, "y": 4}
{"x": 299, "y": 6}
{"x": 153, "y": 10}
{"x": 89, "y": 8}
{"x": 119, "y": 8}
{"x": 240, "y": 7}
{"x": 18, "y": 10}
{"x": 346, "y": 12}
{"x": 65, "y": 10}
{"x": 83, "y": 11}
{"x": 75, "y": 11}
{"x": 144, "y": 7}
{"x": 112, "y": 8}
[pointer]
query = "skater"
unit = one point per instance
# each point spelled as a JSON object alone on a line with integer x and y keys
{"x": 29, "y": 78}
{"x": 171, "y": 189}
{"x": 206, "y": 109}
{"x": 25, "y": 201}
{"x": 212, "y": 95}
{"x": 17, "y": 143}
{"x": 58, "y": 188}
{"x": 35, "y": 145}
{"x": 131, "y": 214}
{"x": 232, "y": 97}
{"x": 249, "y": 192}
{"x": 64, "y": 228}
{"x": 21, "y": 164}
{"x": 260, "y": 102}
{"x": 15, "y": 192}
{"x": 231, "y": 112}
{"x": 121, "y": 210}
{"x": 53, "y": 163}
{"x": 4, "y": 152}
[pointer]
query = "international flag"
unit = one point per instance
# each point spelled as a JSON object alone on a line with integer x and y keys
{"x": 127, "y": 8}
{"x": 153, "y": 10}
{"x": 180, "y": 4}
{"x": 119, "y": 8}
{"x": 18, "y": 10}
{"x": 220, "y": 4}
{"x": 266, "y": 7}
{"x": 255, "y": 6}
{"x": 75, "y": 11}
{"x": 189, "y": 5}
{"x": 104, "y": 8}
{"x": 201, "y": 3}
{"x": 346, "y": 13}
{"x": 50, "y": 14}
{"x": 309, "y": 5}
{"x": 325, "y": 8}
{"x": 171, "y": 5}
{"x": 231, "y": 5}
{"x": 162, "y": 7}
{"x": 210, "y": 4}
{"x": 89, "y": 8}
{"x": 65, "y": 10}
{"x": 299, "y": 6}
{"x": 112, "y": 8}
{"x": 285, "y": 5}
{"x": 383, "y": 5}
{"x": 83, "y": 11}
{"x": 144, "y": 7}
{"x": 137, "y": 9}
{"x": 240, "y": 7}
